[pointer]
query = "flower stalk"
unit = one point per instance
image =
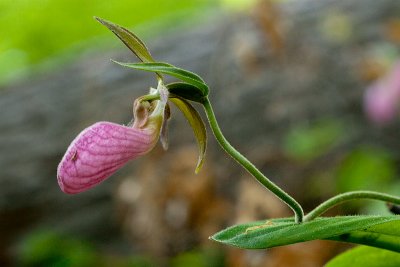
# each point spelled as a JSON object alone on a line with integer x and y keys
{"x": 246, "y": 164}
{"x": 353, "y": 195}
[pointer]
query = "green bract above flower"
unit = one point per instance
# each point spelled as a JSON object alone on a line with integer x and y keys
{"x": 160, "y": 67}
{"x": 133, "y": 42}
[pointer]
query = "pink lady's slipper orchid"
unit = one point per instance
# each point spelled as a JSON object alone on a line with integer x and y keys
{"x": 103, "y": 148}
{"x": 382, "y": 99}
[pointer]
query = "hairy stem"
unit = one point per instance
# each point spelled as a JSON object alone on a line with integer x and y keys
{"x": 336, "y": 200}
{"x": 285, "y": 197}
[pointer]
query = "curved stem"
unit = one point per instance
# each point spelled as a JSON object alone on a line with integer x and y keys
{"x": 336, "y": 200}
{"x": 285, "y": 197}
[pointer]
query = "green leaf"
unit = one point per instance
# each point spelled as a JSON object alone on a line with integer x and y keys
{"x": 197, "y": 125}
{"x": 385, "y": 236}
{"x": 378, "y": 231}
{"x": 186, "y": 91}
{"x": 133, "y": 42}
{"x": 184, "y": 75}
{"x": 366, "y": 257}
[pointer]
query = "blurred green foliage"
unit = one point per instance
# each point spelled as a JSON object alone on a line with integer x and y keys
{"x": 48, "y": 248}
{"x": 366, "y": 168}
{"x": 134, "y": 261}
{"x": 199, "y": 258}
{"x": 307, "y": 142}
{"x": 36, "y": 30}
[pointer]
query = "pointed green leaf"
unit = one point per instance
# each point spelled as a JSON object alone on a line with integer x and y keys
{"x": 133, "y": 42}
{"x": 378, "y": 231}
{"x": 184, "y": 75}
{"x": 198, "y": 127}
{"x": 186, "y": 91}
{"x": 366, "y": 257}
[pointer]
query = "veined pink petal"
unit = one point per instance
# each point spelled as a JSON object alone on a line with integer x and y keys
{"x": 100, "y": 150}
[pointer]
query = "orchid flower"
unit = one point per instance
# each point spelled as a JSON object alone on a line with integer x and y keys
{"x": 103, "y": 148}
{"x": 382, "y": 99}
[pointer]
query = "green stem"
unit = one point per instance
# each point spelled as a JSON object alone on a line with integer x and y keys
{"x": 336, "y": 200}
{"x": 285, "y": 197}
